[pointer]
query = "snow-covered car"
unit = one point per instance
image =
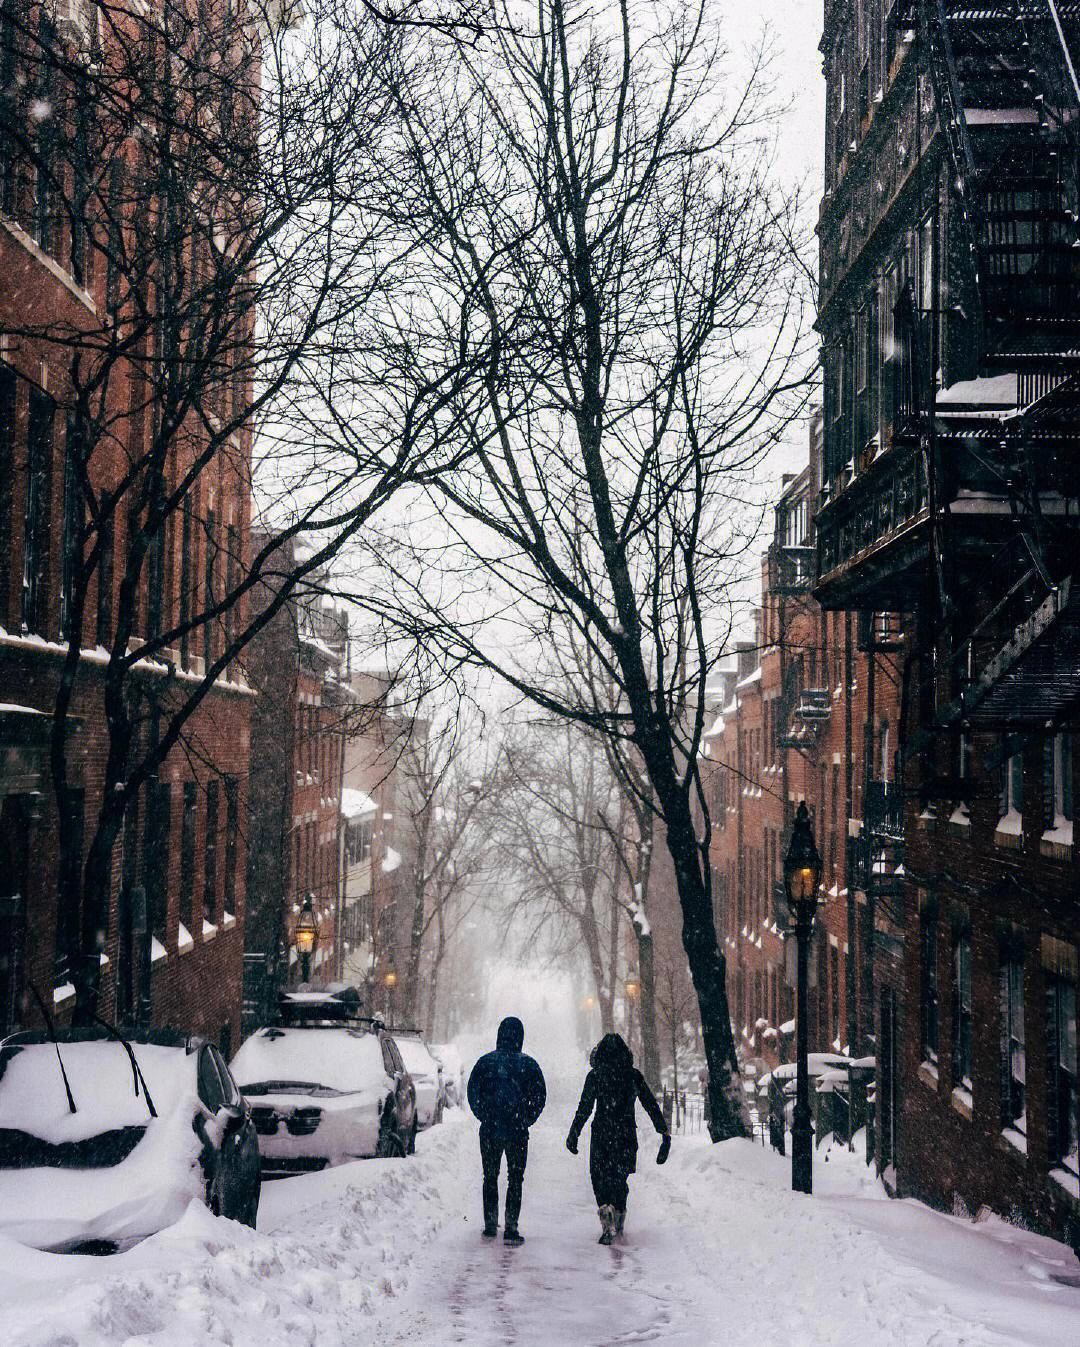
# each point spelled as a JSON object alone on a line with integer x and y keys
{"x": 105, "y": 1141}
{"x": 322, "y": 1093}
{"x": 453, "y": 1068}
{"x": 426, "y": 1076}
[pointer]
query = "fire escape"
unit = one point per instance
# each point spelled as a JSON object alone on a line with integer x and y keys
{"x": 969, "y": 514}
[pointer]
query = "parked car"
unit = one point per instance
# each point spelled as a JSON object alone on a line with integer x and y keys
{"x": 427, "y": 1077}
{"x": 453, "y": 1073}
{"x": 325, "y": 1087}
{"x": 106, "y": 1140}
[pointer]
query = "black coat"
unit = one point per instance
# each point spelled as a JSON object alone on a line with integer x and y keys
{"x": 506, "y": 1087}
{"x": 614, "y": 1093}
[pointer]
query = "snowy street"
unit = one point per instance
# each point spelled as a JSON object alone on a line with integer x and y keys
{"x": 717, "y": 1249}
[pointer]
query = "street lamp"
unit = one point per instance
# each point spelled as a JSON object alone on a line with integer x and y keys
{"x": 306, "y": 937}
{"x": 802, "y": 875}
{"x": 390, "y": 979}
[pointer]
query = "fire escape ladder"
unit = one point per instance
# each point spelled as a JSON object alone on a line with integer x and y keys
{"x": 946, "y": 85}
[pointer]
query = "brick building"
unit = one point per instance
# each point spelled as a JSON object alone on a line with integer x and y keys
{"x": 382, "y": 756}
{"x": 812, "y": 714}
{"x": 949, "y": 489}
{"x": 101, "y": 588}
{"x": 298, "y": 666}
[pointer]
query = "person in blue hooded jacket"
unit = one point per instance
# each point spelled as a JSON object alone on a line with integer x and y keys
{"x": 507, "y": 1093}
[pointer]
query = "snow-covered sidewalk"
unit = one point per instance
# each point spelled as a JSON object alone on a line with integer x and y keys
{"x": 718, "y": 1250}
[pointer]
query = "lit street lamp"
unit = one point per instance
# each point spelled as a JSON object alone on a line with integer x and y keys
{"x": 306, "y": 937}
{"x": 802, "y": 875}
{"x": 390, "y": 979}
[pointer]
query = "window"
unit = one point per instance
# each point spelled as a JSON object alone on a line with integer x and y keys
{"x": 68, "y": 906}
{"x": 1012, "y": 794}
{"x": 834, "y": 987}
{"x": 210, "y": 860}
{"x": 962, "y": 1010}
{"x": 187, "y": 853}
{"x": 1058, "y": 786}
{"x": 35, "y": 586}
{"x": 105, "y": 582}
{"x": 929, "y": 970}
{"x": 187, "y": 520}
{"x": 1014, "y": 1066}
{"x": 71, "y": 540}
{"x": 1062, "y": 1102}
{"x": 8, "y": 388}
{"x": 209, "y": 590}
{"x": 232, "y": 824}
{"x": 157, "y": 847}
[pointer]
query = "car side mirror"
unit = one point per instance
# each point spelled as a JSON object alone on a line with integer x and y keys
{"x": 230, "y": 1117}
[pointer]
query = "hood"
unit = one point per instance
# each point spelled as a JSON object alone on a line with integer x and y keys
{"x": 612, "y": 1054}
{"x": 511, "y": 1035}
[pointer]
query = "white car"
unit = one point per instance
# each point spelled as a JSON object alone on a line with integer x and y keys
{"x": 105, "y": 1141}
{"x": 324, "y": 1094}
{"x": 453, "y": 1069}
{"x": 426, "y": 1076}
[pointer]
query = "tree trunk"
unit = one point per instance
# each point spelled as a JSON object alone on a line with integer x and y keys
{"x": 708, "y": 972}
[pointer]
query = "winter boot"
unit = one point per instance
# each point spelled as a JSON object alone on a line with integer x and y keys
{"x": 607, "y": 1224}
{"x": 489, "y": 1232}
{"x": 511, "y": 1235}
{"x": 620, "y": 1220}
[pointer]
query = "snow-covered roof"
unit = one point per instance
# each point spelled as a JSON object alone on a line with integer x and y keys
{"x": 391, "y": 861}
{"x": 356, "y": 804}
{"x": 750, "y": 679}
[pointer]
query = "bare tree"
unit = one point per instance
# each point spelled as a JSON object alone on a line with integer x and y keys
{"x": 566, "y": 888}
{"x": 610, "y": 332}
{"x": 451, "y": 786}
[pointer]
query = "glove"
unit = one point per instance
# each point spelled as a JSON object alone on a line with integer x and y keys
{"x": 571, "y": 1144}
{"x": 665, "y": 1148}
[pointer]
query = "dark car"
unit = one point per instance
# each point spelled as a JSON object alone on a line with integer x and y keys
{"x": 325, "y": 1086}
{"x": 105, "y": 1139}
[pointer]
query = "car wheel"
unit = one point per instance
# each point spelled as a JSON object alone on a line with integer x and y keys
{"x": 250, "y": 1213}
{"x": 389, "y": 1146}
{"x": 214, "y": 1193}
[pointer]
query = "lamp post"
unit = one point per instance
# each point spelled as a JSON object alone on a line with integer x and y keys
{"x": 802, "y": 875}
{"x": 306, "y": 936}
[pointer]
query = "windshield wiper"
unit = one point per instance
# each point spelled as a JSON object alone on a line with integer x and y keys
{"x": 51, "y": 1029}
{"x": 136, "y": 1071}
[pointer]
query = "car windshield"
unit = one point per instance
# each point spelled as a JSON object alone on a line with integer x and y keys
{"x": 33, "y": 1099}
{"x": 340, "y": 1060}
{"x": 418, "y": 1061}
{"x": 290, "y": 1087}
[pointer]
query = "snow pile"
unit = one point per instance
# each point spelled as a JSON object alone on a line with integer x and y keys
{"x": 333, "y": 1252}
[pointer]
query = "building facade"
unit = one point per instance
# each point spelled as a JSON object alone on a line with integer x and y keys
{"x": 303, "y": 712}
{"x": 124, "y": 731}
{"x": 811, "y": 715}
{"x": 949, "y": 493}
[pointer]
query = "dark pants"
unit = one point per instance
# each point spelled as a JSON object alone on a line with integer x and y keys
{"x": 493, "y": 1146}
{"x": 609, "y": 1183}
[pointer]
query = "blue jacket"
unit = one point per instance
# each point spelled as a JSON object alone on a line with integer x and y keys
{"x": 506, "y": 1088}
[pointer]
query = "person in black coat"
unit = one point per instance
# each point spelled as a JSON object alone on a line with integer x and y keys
{"x": 507, "y": 1093}
{"x": 612, "y": 1087}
